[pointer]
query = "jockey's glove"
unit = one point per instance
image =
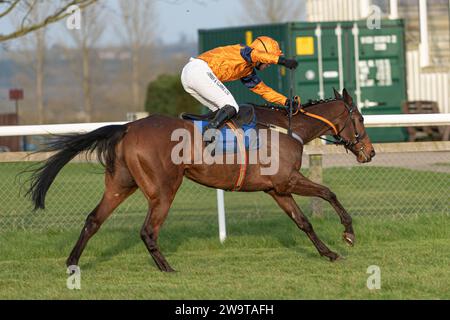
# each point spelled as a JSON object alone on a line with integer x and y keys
{"x": 296, "y": 103}
{"x": 288, "y": 63}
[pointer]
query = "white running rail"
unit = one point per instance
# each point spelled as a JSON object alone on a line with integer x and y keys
{"x": 371, "y": 121}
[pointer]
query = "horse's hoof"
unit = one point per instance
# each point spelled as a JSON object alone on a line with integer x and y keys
{"x": 167, "y": 269}
{"x": 339, "y": 258}
{"x": 72, "y": 269}
{"x": 349, "y": 238}
{"x": 334, "y": 257}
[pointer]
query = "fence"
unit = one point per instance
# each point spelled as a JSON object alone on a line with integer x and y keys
{"x": 404, "y": 180}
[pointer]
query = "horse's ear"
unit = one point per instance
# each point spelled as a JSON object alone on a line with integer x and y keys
{"x": 347, "y": 97}
{"x": 337, "y": 95}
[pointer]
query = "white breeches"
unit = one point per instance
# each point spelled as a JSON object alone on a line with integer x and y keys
{"x": 200, "y": 82}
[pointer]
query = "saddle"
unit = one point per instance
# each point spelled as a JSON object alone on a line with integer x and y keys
{"x": 245, "y": 116}
{"x": 245, "y": 120}
{"x": 230, "y": 140}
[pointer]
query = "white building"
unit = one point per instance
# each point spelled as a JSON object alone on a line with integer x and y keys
{"x": 427, "y": 36}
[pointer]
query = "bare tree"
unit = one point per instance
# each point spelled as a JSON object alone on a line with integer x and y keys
{"x": 34, "y": 51}
{"x": 41, "y": 48}
{"x": 24, "y": 8}
{"x": 138, "y": 32}
{"x": 271, "y": 11}
{"x": 85, "y": 40}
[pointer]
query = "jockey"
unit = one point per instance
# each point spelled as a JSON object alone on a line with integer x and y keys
{"x": 202, "y": 77}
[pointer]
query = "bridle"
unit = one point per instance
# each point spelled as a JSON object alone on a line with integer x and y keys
{"x": 338, "y": 139}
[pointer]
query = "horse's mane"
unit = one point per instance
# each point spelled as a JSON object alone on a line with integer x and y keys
{"x": 311, "y": 103}
{"x": 308, "y": 104}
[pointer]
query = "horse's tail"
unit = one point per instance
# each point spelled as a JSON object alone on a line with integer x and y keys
{"x": 102, "y": 140}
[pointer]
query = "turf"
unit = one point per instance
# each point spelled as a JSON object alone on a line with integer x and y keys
{"x": 401, "y": 219}
{"x": 267, "y": 259}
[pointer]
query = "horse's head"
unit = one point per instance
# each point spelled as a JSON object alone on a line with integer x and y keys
{"x": 352, "y": 133}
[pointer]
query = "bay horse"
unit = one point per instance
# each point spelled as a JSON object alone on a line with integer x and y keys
{"x": 138, "y": 155}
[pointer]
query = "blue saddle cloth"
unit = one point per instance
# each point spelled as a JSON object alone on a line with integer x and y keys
{"x": 227, "y": 142}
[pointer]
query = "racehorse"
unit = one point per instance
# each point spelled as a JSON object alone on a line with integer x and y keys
{"x": 138, "y": 155}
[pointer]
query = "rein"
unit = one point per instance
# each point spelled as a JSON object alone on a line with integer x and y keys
{"x": 338, "y": 140}
{"x": 315, "y": 116}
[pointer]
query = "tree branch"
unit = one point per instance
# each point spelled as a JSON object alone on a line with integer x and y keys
{"x": 10, "y": 8}
{"x": 30, "y": 9}
{"x": 58, "y": 15}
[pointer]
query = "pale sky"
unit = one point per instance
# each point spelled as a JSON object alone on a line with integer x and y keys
{"x": 175, "y": 17}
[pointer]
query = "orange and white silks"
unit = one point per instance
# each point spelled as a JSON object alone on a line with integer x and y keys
{"x": 236, "y": 62}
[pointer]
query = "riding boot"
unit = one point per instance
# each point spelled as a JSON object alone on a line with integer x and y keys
{"x": 223, "y": 115}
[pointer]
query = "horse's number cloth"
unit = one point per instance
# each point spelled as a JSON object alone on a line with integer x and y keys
{"x": 227, "y": 142}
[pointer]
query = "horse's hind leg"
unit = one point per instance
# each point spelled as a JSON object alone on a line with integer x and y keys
{"x": 157, "y": 213}
{"x": 159, "y": 187}
{"x": 287, "y": 203}
{"x": 302, "y": 186}
{"x": 117, "y": 189}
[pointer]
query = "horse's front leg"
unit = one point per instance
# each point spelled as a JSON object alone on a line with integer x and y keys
{"x": 300, "y": 185}
{"x": 287, "y": 203}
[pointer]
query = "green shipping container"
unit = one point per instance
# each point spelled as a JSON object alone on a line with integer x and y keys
{"x": 370, "y": 63}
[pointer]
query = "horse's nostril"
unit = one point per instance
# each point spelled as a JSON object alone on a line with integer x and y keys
{"x": 372, "y": 154}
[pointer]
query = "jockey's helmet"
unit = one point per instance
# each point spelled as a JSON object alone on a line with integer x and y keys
{"x": 266, "y": 44}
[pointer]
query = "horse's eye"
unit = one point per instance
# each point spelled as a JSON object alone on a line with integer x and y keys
{"x": 361, "y": 119}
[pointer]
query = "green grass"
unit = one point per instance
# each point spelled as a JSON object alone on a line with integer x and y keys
{"x": 364, "y": 191}
{"x": 267, "y": 259}
{"x": 401, "y": 222}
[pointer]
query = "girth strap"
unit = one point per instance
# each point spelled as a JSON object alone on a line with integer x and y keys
{"x": 243, "y": 153}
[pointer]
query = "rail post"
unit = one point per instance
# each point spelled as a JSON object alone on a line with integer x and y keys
{"x": 316, "y": 175}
